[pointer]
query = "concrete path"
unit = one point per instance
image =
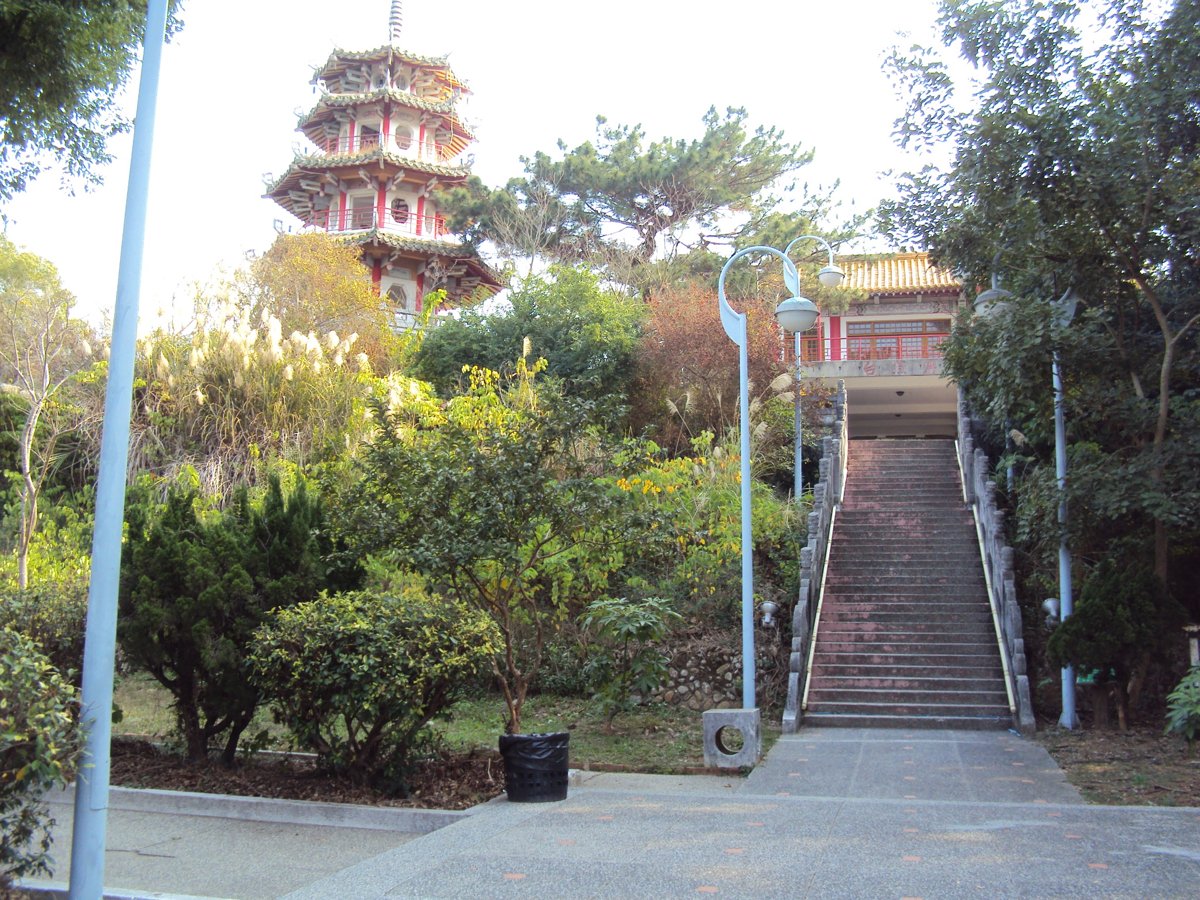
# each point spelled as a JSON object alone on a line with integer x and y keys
{"x": 830, "y": 813}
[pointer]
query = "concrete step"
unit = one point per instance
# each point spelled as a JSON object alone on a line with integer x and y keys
{"x": 977, "y": 684}
{"x": 874, "y": 628}
{"x": 940, "y": 594}
{"x": 986, "y": 721}
{"x": 960, "y": 552}
{"x": 866, "y": 593}
{"x": 907, "y": 699}
{"x": 872, "y": 575}
{"x": 943, "y": 664}
{"x": 909, "y": 644}
{"x": 837, "y": 609}
{"x": 908, "y": 709}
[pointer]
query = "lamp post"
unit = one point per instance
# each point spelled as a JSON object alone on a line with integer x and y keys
{"x": 795, "y": 316}
{"x": 91, "y": 787}
{"x": 1064, "y": 312}
{"x": 734, "y": 324}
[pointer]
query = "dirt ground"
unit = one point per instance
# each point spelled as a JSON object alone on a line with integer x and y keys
{"x": 1140, "y": 768}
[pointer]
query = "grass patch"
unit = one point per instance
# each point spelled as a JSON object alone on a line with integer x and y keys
{"x": 147, "y": 711}
{"x": 653, "y": 738}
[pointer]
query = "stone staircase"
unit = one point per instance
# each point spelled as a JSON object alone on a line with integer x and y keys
{"x": 905, "y": 635}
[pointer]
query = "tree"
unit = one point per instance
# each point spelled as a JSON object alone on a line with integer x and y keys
{"x": 586, "y": 334}
{"x": 314, "y": 282}
{"x": 1075, "y": 161}
{"x": 620, "y": 201}
{"x": 1121, "y": 613}
{"x": 196, "y": 583}
{"x": 486, "y": 498}
{"x": 62, "y": 65}
{"x": 687, "y": 368}
{"x": 42, "y": 349}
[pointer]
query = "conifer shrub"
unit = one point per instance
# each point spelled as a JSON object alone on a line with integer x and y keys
{"x": 39, "y": 744}
{"x": 358, "y": 677}
{"x": 195, "y": 584}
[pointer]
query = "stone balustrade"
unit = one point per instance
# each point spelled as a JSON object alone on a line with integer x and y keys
{"x": 998, "y": 563}
{"x": 827, "y": 496}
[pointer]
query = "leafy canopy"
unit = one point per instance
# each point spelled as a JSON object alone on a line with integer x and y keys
{"x": 1074, "y": 165}
{"x": 622, "y": 200}
{"x": 588, "y": 336}
{"x": 62, "y": 65}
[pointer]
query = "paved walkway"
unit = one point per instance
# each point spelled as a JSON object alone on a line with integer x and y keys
{"x": 830, "y": 813}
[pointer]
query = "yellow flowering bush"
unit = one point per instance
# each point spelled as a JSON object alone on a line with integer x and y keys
{"x": 695, "y": 503}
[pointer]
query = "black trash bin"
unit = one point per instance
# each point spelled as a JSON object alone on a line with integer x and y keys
{"x": 535, "y": 766}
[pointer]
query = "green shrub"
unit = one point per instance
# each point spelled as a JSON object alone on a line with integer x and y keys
{"x": 1183, "y": 707}
{"x": 39, "y": 744}
{"x": 1122, "y": 619}
{"x": 54, "y": 617}
{"x": 628, "y": 636}
{"x": 357, "y": 677}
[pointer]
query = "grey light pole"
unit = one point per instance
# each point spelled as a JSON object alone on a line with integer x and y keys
{"x": 795, "y": 316}
{"x": 734, "y": 324}
{"x": 1064, "y": 312}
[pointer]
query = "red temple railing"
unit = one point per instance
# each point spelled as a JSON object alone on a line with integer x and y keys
{"x": 876, "y": 346}
{"x": 362, "y": 143}
{"x": 333, "y": 220}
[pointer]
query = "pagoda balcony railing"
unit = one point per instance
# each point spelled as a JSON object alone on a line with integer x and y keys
{"x": 353, "y": 220}
{"x": 924, "y": 345}
{"x": 429, "y": 151}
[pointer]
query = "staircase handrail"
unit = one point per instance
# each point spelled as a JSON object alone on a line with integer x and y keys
{"x": 999, "y": 572}
{"x": 827, "y": 496}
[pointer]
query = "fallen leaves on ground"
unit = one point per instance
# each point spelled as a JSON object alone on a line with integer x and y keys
{"x": 448, "y": 780}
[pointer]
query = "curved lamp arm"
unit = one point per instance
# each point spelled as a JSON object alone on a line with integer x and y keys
{"x": 830, "y": 276}
{"x": 732, "y": 321}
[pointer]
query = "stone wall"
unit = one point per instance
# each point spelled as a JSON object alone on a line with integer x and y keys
{"x": 704, "y": 675}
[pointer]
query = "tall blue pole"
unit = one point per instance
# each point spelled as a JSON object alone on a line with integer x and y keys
{"x": 748, "y": 664}
{"x": 1068, "y": 719}
{"x": 798, "y": 486}
{"x": 91, "y": 785}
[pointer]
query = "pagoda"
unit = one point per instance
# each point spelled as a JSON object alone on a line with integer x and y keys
{"x": 387, "y": 140}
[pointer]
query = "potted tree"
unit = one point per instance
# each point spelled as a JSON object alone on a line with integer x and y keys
{"x": 484, "y": 497}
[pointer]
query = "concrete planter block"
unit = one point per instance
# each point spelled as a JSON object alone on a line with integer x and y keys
{"x": 720, "y": 751}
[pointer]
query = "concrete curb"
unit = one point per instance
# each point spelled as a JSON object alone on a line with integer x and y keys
{"x": 51, "y": 890}
{"x": 262, "y": 809}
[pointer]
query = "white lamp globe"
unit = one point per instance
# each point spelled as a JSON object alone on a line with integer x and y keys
{"x": 831, "y": 276}
{"x": 796, "y": 314}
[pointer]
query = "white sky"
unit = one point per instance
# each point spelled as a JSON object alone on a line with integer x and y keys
{"x": 236, "y": 76}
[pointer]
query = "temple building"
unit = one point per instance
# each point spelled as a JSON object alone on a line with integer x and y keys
{"x": 385, "y": 139}
{"x": 886, "y": 347}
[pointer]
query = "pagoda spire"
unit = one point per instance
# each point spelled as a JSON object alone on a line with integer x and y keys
{"x": 395, "y": 21}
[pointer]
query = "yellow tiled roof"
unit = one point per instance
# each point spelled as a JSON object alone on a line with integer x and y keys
{"x": 897, "y": 273}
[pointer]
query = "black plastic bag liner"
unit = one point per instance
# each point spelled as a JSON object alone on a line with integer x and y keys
{"x": 536, "y": 766}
